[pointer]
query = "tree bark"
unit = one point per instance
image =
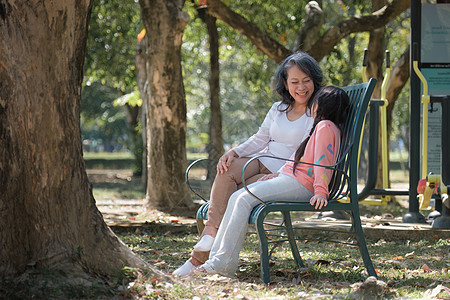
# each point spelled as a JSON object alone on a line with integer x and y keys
{"x": 165, "y": 106}
{"x": 215, "y": 147}
{"x": 48, "y": 217}
{"x": 311, "y": 27}
{"x": 399, "y": 77}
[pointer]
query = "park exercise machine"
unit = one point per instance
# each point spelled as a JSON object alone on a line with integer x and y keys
{"x": 378, "y": 120}
{"x": 434, "y": 184}
{"x": 437, "y": 61}
{"x": 428, "y": 184}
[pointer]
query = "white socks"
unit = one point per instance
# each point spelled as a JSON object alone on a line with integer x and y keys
{"x": 205, "y": 243}
{"x": 185, "y": 269}
{"x": 188, "y": 268}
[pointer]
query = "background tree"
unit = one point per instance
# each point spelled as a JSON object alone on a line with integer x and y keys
{"x": 215, "y": 145}
{"x": 48, "y": 218}
{"x": 166, "y": 107}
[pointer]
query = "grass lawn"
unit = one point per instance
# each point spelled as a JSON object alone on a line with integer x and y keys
{"x": 409, "y": 270}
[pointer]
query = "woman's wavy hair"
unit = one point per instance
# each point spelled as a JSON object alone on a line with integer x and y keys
{"x": 307, "y": 65}
{"x": 333, "y": 104}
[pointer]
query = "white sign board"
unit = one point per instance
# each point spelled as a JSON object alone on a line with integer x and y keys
{"x": 435, "y": 66}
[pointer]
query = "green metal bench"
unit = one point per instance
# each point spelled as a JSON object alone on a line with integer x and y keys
{"x": 343, "y": 186}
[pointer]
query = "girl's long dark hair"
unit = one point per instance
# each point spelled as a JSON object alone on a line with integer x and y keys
{"x": 332, "y": 104}
{"x": 307, "y": 65}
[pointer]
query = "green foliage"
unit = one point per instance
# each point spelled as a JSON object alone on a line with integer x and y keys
{"x": 132, "y": 99}
{"x": 111, "y": 44}
{"x": 246, "y": 74}
{"x": 245, "y": 81}
{"x": 102, "y": 122}
{"x": 110, "y": 77}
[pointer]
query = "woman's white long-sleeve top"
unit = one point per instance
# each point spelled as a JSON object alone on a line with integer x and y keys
{"x": 277, "y": 136}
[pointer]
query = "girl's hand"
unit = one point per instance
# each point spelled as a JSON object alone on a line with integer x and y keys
{"x": 269, "y": 176}
{"x": 225, "y": 161}
{"x": 319, "y": 200}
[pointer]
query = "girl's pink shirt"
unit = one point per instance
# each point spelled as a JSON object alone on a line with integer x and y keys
{"x": 322, "y": 149}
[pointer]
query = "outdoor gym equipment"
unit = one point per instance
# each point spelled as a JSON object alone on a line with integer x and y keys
{"x": 377, "y": 114}
{"x": 434, "y": 183}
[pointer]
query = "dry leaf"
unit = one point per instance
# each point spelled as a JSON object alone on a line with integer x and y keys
{"x": 426, "y": 269}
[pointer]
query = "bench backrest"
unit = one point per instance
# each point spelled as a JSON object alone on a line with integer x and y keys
{"x": 347, "y": 160}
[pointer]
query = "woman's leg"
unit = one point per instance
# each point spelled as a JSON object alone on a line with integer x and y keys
{"x": 226, "y": 184}
{"x": 224, "y": 256}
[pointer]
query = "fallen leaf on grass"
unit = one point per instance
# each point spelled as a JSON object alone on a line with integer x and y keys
{"x": 410, "y": 255}
{"x": 155, "y": 280}
{"x": 426, "y": 269}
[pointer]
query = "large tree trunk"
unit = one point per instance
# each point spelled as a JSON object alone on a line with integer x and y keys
{"x": 166, "y": 106}
{"x": 48, "y": 217}
{"x": 215, "y": 147}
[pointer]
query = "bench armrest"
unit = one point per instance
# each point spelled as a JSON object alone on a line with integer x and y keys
{"x": 186, "y": 177}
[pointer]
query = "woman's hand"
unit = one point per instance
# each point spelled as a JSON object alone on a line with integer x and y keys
{"x": 269, "y": 176}
{"x": 319, "y": 200}
{"x": 225, "y": 161}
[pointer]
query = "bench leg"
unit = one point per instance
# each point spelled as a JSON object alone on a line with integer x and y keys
{"x": 264, "y": 250}
{"x": 200, "y": 225}
{"x": 292, "y": 242}
{"x": 363, "y": 247}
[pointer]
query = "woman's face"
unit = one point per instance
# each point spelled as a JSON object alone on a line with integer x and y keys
{"x": 299, "y": 85}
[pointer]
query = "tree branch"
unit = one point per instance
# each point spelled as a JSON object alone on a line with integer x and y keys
{"x": 259, "y": 38}
{"x": 311, "y": 27}
{"x": 332, "y": 36}
{"x": 323, "y": 45}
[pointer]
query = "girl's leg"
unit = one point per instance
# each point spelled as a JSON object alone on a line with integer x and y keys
{"x": 224, "y": 256}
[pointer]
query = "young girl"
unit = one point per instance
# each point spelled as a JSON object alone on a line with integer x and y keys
{"x": 295, "y": 181}
{"x": 286, "y": 125}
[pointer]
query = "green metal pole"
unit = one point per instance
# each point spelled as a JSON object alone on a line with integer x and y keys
{"x": 413, "y": 215}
